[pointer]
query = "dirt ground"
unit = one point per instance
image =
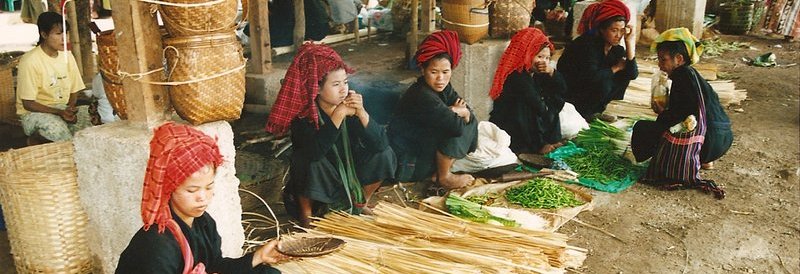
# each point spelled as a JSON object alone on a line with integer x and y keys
{"x": 755, "y": 229}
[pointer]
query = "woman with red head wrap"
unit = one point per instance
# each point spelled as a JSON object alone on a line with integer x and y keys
{"x": 178, "y": 236}
{"x": 596, "y": 67}
{"x": 527, "y": 94}
{"x": 432, "y": 125}
{"x": 340, "y": 156}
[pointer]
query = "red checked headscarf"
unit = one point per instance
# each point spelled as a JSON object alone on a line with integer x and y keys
{"x": 176, "y": 152}
{"x": 598, "y": 12}
{"x": 445, "y": 41}
{"x": 524, "y": 46}
{"x": 301, "y": 86}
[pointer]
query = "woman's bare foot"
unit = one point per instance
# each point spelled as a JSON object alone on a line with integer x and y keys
{"x": 453, "y": 181}
{"x": 547, "y": 149}
{"x": 709, "y": 165}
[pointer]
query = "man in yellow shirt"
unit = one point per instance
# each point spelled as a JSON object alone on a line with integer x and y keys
{"x": 47, "y": 85}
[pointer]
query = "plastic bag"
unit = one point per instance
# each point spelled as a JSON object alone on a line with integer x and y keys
{"x": 659, "y": 89}
{"x": 571, "y": 121}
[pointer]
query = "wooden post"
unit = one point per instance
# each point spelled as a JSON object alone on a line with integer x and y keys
{"x": 74, "y": 38}
{"x": 299, "y": 23}
{"x": 412, "y": 41}
{"x": 139, "y": 48}
{"x": 428, "y": 16}
{"x": 355, "y": 27}
{"x": 85, "y": 36}
{"x": 260, "y": 47}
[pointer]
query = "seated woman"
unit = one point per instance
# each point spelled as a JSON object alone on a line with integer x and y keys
{"x": 432, "y": 126}
{"x": 48, "y": 85}
{"x": 178, "y": 186}
{"x": 527, "y": 94}
{"x": 340, "y": 155}
{"x": 675, "y": 154}
{"x": 595, "y": 75}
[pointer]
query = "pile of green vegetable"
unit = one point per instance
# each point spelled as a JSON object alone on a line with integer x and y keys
{"x": 465, "y": 209}
{"x": 601, "y": 165}
{"x": 487, "y": 199}
{"x": 603, "y": 136}
{"x": 715, "y": 47}
{"x": 542, "y": 193}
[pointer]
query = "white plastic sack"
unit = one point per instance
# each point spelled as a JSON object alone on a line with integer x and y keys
{"x": 343, "y": 11}
{"x": 492, "y": 151}
{"x": 571, "y": 121}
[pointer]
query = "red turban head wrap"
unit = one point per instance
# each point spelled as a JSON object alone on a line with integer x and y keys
{"x": 524, "y": 46}
{"x": 176, "y": 152}
{"x": 445, "y": 41}
{"x": 598, "y": 12}
{"x": 301, "y": 86}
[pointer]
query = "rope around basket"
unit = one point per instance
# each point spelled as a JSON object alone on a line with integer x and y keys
{"x": 464, "y": 25}
{"x": 184, "y": 5}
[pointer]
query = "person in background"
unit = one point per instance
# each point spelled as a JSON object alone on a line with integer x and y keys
{"x": 47, "y": 86}
{"x": 178, "y": 235}
{"x": 104, "y": 108}
{"x": 675, "y": 139}
{"x": 432, "y": 125}
{"x": 527, "y": 94}
{"x": 340, "y": 155}
{"x": 593, "y": 65}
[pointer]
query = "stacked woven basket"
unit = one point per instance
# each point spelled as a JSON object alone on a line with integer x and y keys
{"x": 475, "y": 19}
{"x": 205, "y": 66}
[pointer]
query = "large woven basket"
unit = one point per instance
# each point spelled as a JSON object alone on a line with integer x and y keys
{"x": 43, "y": 213}
{"x": 211, "y": 68}
{"x": 509, "y": 16}
{"x": 8, "y": 99}
{"x": 466, "y": 17}
{"x": 108, "y": 63}
{"x": 201, "y": 19}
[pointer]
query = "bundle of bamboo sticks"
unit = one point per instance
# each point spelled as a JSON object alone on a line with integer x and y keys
{"x": 636, "y": 103}
{"x": 406, "y": 240}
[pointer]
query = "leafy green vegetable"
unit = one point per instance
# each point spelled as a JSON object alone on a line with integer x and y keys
{"x": 542, "y": 193}
{"x": 467, "y": 210}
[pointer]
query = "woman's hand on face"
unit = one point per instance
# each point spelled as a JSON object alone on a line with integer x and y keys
{"x": 268, "y": 254}
{"x": 356, "y": 102}
{"x": 544, "y": 67}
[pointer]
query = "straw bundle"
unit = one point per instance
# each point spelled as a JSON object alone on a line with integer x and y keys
{"x": 431, "y": 243}
{"x": 637, "y": 97}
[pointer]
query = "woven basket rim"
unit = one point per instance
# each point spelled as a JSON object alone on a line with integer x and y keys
{"x": 322, "y": 245}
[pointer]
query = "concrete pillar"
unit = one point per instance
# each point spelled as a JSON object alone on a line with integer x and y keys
{"x": 681, "y": 13}
{"x": 473, "y": 77}
{"x": 111, "y": 161}
{"x": 579, "y": 7}
{"x": 262, "y": 89}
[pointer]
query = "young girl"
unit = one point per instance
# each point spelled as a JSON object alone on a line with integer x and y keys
{"x": 432, "y": 125}
{"x": 178, "y": 186}
{"x": 527, "y": 94}
{"x": 340, "y": 155}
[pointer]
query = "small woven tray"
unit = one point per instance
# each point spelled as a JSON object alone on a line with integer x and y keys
{"x": 310, "y": 247}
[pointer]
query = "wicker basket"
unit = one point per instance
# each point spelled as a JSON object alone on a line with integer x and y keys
{"x": 199, "y": 20}
{"x": 467, "y": 18}
{"x": 46, "y": 222}
{"x": 309, "y": 247}
{"x": 108, "y": 66}
{"x": 509, "y": 16}
{"x": 212, "y": 68}
{"x": 8, "y": 99}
